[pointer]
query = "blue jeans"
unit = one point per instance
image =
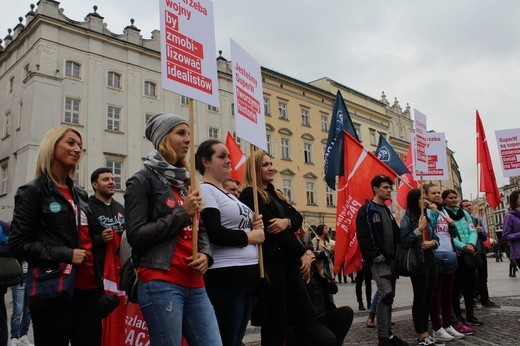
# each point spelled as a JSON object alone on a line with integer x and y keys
{"x": 375, "y": 301}
{"x": 21, "y": 318}
{"x": 171, "y": 311}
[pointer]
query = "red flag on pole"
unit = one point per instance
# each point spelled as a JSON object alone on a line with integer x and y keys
{"x": 407, "y": 178}
{"x": 360, "y": 166}
{"x": 237, "y": 157}
{"x": 113, "y": 332}
{"x": 488, "y": 181}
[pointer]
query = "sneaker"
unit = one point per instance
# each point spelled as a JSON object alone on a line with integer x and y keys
{"x": 361, "y": 307}
{"x": 442, "y": 335}
{"x": 370, "y": 321}
{"x": 14, "y": 342}
{"x": 474, "y": 321}
{"x": 450, "y": 330}
{"x": 24, "y": 341}
{"x": 464, "y": 329}
{"x": 394, "y": 340}
{"x": 477, "y": 306}
{"x": 490, "y": 305}
{"x": 427, "y": 341}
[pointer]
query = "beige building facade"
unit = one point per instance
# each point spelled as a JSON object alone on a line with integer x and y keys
{"x": 55, "y": 70}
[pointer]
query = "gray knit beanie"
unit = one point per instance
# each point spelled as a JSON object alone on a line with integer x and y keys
{"x": 159, "y": 125}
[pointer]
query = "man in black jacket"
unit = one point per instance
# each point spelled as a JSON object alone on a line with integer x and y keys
{"x": 378, "y": 235}
{"x": 108, "y": 222}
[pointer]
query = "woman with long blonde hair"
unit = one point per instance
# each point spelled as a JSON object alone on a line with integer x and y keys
{"x": 286, "y": 300}
{"x": 50, "y": 229}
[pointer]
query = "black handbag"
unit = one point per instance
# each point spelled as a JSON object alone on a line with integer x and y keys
{"x": 406, "y": 262}
{"x": 472, "y": 260}
{"x": 11, "y": 273}
{"x": 51, "y": 281}
{"x": 446, "y": 261}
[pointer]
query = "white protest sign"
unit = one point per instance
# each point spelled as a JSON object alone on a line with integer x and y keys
{"x": 420, "y": 160}
{"x": 188, "y": 62}
{"x": 508, "y": 142}
{"x": 248, "y": 96}
{"x": 437, "y": 157}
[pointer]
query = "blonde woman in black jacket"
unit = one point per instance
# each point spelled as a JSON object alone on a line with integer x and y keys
{"x": 50, "y": 229}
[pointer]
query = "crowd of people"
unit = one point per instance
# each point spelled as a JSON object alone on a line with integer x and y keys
{"x": 250, "y": 261}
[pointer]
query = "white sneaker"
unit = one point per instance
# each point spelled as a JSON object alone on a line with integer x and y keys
{"x": 442, "y": 335}
{"x": 450, "y": 330}
{"x": 14, "y": 342}
{"x": 24, "y": 340}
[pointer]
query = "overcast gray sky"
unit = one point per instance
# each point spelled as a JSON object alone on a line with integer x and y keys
{"x": 446, "y": 58}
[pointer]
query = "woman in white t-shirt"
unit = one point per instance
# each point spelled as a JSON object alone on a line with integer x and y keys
{"x": 444, "y": 327}
{"x": 233, "y": 233}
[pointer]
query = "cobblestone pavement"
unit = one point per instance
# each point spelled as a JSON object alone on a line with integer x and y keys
{"x": 501, "y": 326}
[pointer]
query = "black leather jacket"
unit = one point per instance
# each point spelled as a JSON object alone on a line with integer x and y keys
{"x": 44, "y": 227}
{"x": 152, "y": 226}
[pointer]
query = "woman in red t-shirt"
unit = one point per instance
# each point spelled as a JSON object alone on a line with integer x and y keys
{"x": 50, "y": 230}
{"x": 158, "y": 211}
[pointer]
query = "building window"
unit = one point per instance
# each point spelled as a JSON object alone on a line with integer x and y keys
{"x": 329, "y": 196}
{"x": 307, "y": 152}
{"x": 357, "y": 127}
{"x": 267, "y": 106}
{"x": 285, "y": 148}
{"x": 19, "y": 118}
{"x": 113, "y": 118}
{"x": 116, "y": 166}
{"x": 373, "y": 139}
{"x": 212, "y": 108}
{"x": 147, "y": 117}
{"x": 114, "y": 80}
{"x": 306, "y": 121}
{"x": 287, "y": 188}
{"x": 236, "y": 138}
{"x": 150, "y": 89}
{"x": 72, "y": 69}
{"x": 6, "y": 131}
{"x": 3, "y": 179}
{"x": 324, "y": 122}
{"x": 213, "y": 133}
{"x": 282, "y": 110}
{"x": 72, "y": 111}
{"x": 269, "y": 139}
{"x": 11, "y": 85}
{"x": 310, "y": 192}
{"x": 185, "y": 100}
{"x": 232, "y": 109}
{"x": 76, "y": 177}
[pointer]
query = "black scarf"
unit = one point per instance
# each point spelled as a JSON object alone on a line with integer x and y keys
{"x": 455, "y": 213}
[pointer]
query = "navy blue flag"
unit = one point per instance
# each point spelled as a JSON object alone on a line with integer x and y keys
{"x": 387, "y": 154}
{"x": 334, "y": 150}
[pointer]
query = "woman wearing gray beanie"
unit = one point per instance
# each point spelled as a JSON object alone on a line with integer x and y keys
{"x": 159, "y": 207}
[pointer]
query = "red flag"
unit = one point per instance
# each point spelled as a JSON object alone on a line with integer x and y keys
{"x": 113, "y": 332}
{"x": 488, "y": 181}
{"x": 360, "y": 166}
{"x": 407, "y": 183}
{"x": 237, "y": 157}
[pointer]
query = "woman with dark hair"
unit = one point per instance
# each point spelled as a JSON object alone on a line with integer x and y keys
{"x": 444, "y": 328}
{"x": 465, "y": 242}
{"x": 413, "y": 227}
{"x": 287, "y": 262}
{"x": 322, "y": 243}
{"x": 233, "y": 233}
{"x": 50, "y": 228}
{"x": 511, "y": 227}
{"x": 159, "y": 208}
